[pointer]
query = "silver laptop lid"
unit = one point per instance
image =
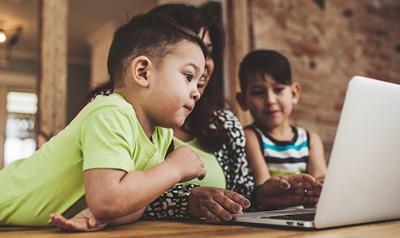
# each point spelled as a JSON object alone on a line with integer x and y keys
{"x": 362, "y": 184}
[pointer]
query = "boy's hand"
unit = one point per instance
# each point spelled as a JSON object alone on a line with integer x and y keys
{"x": 286, "y": 191}
{"x": 215, "y": 204}
{"x": 83, "y": 221}
{"x": 188, "y": 163}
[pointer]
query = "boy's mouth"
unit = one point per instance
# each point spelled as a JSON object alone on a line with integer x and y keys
{"x": 270, "y": 112}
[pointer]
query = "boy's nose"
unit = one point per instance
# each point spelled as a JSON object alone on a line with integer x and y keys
{"x": 270, "y": 98}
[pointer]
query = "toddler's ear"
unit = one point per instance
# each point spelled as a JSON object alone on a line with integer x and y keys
{"x": 295, "y": 88}
{"x": 140, "y": 70}
{"x": 242, "y": 101}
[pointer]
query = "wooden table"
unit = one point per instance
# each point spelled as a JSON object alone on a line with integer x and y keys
{"x": 186, "y": 229}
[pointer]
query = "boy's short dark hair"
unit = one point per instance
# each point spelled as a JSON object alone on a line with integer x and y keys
{"x": 265, "y": 62}
{"x": 151, "y": 35}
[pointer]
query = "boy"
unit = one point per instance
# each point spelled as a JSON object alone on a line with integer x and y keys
{"x": 111, "y": 154}
{"x": 274, "y": 146}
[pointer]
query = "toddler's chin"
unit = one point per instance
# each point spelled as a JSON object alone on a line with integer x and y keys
{"x": 178, "y": 123}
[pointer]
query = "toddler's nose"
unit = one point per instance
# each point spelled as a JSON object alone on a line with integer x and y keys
{"x": 195, "y": 95}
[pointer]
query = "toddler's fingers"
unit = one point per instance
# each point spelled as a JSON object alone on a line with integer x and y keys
{"x": 68, "y": 225}
{"x": 92, "y": 223}
{"x": 202, "y": 173}
{"x": 59, "y": 221}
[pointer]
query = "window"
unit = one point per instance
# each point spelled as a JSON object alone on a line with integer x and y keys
{"x": 20, "y": 123}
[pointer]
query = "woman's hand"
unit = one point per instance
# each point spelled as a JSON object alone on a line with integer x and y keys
{"x": 215, "y": 204}
{"x": 83, "y": 221}
{"x": 286, "y": 191}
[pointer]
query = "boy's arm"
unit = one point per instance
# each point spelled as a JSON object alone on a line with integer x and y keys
{"x": 112, "y": 193}
{"x": 316, "y": 164}
{"x": 256, "y": 159}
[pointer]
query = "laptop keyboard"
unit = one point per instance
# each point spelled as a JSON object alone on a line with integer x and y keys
{"x": 296, "y": 217}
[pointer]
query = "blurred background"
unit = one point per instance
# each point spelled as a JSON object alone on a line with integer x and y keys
{"x": 52, "y": 52}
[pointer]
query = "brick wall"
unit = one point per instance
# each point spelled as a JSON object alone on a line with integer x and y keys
{"x": 327, "y": 42}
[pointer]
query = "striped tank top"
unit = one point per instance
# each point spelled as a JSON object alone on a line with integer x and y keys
{"x": 285, "y": 157}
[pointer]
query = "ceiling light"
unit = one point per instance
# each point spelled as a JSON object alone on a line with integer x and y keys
{"x": 8, "y": 39}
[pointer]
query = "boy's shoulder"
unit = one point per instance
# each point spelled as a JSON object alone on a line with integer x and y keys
{"x": 300, "y": 129}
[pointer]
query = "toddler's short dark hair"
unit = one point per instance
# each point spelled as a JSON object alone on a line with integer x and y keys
{"x": 151, "y": 35}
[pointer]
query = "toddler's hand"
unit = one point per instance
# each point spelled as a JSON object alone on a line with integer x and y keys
{"x": 188, "y": 163}
{"x": 83, "y": 221}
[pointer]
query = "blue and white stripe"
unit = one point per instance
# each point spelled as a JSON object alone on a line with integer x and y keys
{"x": 285, "y": 157}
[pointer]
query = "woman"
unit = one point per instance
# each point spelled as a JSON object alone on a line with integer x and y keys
{"x": 217, "y": 136}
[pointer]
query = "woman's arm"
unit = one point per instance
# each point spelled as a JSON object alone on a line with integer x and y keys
{"x": 256, "y": 159}
{"x": 172, "y": 204}
{"x": 232, "y": 156}
{"x": 316, "y": 164}
{"x": 212, "y": 204}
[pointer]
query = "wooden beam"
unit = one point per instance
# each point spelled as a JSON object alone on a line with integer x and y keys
{"x": 238, "y": 45}
{"x": 3, "y": 118}
{"x": 100, "y": 42}
{"x": 52, "y": 80}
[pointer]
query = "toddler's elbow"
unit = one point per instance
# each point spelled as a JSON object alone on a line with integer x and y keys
{"x": 104, "y": 208}
{"x": 104, "y": 212}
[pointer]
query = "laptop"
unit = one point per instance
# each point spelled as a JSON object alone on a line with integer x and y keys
{"x": 362, "y": 182}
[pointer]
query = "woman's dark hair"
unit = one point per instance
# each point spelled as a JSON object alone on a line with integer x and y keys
{"x": 198, "y": 122}
{"x": 153, "y": 35}
{"x": 265, "y": 62}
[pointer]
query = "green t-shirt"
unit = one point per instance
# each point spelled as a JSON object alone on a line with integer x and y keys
{"x": 214, "y": 175}
{"x": 105, "y": 134}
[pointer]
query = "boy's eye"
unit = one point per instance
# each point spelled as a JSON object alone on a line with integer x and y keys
{"x": 189, "y": 76}
{"x": 257, "y": 92}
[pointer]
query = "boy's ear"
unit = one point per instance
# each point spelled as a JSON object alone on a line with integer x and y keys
{"x": 295, "y": 88}
{"x": 140, "y": 70}
{"x": 242, "y": 101}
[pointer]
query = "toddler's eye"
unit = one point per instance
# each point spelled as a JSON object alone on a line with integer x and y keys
{"x": 278, "y": 89}
{"x": 189, "y": 77}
